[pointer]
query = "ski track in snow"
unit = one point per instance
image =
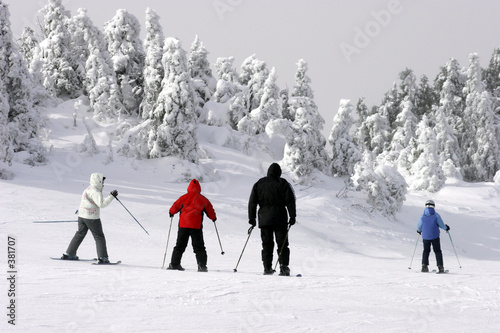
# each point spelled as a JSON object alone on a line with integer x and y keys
{"x": 354, "y": 262}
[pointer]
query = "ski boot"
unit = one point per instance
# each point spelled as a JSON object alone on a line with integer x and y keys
{"x": 425, "y": 268}
{"x": 284, "y": 270}
{"x": 440, "y": 269}
{"x": 175, "y": 267}
{"x": 69, "y": 257}
{"x": 202, "y": 268}
{"x": 268, "y": 271}
{"x": 103, "y": 260}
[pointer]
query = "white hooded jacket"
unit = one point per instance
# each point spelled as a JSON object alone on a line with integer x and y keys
{"x": 92, "y": 200}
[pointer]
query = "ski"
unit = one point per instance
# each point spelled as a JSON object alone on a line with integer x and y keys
{"x": 54, "y": 258}
{"x": 445, "y": 271}
{"x": 107, "y": 263}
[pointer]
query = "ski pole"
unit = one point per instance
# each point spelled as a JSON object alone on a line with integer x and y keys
{"x": 451, "y": 240}
{"x": 55, "y": 221}
{"x": 249, "y": 233}
{"x": 168, "y": 238}
{"x": 282, "y": 247}
{"x": 221, "y": 250}
{"x": 131, "y": 215}
{"x": 416, "y": 243}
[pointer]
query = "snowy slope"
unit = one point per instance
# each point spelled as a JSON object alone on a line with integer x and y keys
{"x": 354, "y": 262}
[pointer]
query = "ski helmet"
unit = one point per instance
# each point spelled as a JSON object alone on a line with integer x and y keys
{"x": 430, "y": 203}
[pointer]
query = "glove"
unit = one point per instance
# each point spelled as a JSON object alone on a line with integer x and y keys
{"x": 114, "y": 193}
{"x": 419, "y": 232}
{"x": 447, "y": 227}
{"x": 292, "y": 221}
{"x": 252, "y": 222}
{"x": 171, "y": 215}
{"x": 215, "y": 219}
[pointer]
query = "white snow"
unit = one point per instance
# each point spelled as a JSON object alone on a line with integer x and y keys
{"x": 354, "y": 262}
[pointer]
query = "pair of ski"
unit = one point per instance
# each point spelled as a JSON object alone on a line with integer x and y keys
{"x": 95, "y": 261}
{"x": 437, "y": 272}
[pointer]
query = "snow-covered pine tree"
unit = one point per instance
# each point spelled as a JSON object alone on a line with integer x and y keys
{"x": 153, "y": 68}
{"x": 447, "y": 144}
{"x": 201, "y": 73}
{"x": 405, "y": 126}
{"x": 22, "y": 119}
{"x": 345, "y": 154}
{"x": 426, "y": 171}
{"x": 122, "y": 33}
{"x": 58, "y": 65}
{"x": 480, "y": 146}
{"x": 389, "y": 108}
{"x": 254, "y": 74}
{"x": 378, "y": 132}
{"x": 77, "y": 28}
{"x": 270, "y": 103}
{"x": 361, "y": 134}
{"x": 100, "y": 80}
{"x": 173, "y": 128}
{"x": 385, "y": 187}
{"x": 450, "y": 84}
{"x": 27, "y": 44}
{"x": 227, "y": 85}
{"x": 425, "y": 98}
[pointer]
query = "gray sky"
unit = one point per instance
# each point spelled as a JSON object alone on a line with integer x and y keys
{"x": 354, "y": 48}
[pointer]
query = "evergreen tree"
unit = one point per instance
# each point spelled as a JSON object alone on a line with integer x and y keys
{"x": 480, "y": 146}
{"x": 426, "y": 171}
{"x": 254, "y": 74}
{"x": 447, "y": 145}
{"x": 389, "y": 108}
{"x": 201, "y": 73}
{"x": 58, "y": 65}
{"x": 384, "y": 185}
{"x": 451, "y": 81}
{"x": 173, "y": 130}
{"x": 100, "y": 81}
{"x": 377, "y": 132}
{"x": 153, "y": 68}
{"x": 125, "y": 48}
{"x": 345, "y": 154}
{"x": 28, "y": 43}
{"x": 361, "y": 134}
{"x": 405, "y": 128}
{"x": 425, "y": 99}
{"x": 227, "y": 85}
{"x": 19, "y": 120}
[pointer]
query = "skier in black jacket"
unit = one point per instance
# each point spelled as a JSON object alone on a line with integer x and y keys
{"x": 274, "y": 196}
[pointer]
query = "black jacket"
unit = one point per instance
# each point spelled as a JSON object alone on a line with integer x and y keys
{"x": 274, "y": 196}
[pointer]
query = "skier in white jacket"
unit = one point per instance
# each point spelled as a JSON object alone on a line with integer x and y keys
{"x": 89, "y": 218}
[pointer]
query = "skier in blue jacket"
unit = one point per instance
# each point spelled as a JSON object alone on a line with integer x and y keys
{"x": 428, "y": 226}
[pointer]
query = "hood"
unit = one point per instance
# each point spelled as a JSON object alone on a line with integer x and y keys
{"x": 429, "y": 211}
{"x": 96, "y": 180}
{"x": 274, "y": 170}
{"x": 194, "y": 186}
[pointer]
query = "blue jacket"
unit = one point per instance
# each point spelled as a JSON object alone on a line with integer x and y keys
{"x": 429, "y": 224}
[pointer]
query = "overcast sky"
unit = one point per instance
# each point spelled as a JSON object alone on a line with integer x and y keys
{"x": 354, "y": 48}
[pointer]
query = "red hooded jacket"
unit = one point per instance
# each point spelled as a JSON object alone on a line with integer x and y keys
{"x": 192, "y": 205}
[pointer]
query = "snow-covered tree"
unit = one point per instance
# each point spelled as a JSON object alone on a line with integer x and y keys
{"x": 201, "y": 73}
{"x": 405, "y": 127}
{"x": 173, "y": 130}
{"x": 378, "y": 132}
{"x": 425, "y": 98}
{"x": 19, "y": 120}
{"x": 58, "y": 65}
{"x": 389, "y": 108}
{"x": 426, "y": 171}
{"x": 127, "y": 54}
{"x": 254, "y": 74}
{"x": 28, "y": 43}
{"x": 153, "y": 68}
{"x": 480, "y": 146}
{"x": 345, "y": 154}
{"x": 447, "y": 145}
{"x": 227, "y": 85}
{"x": 385, "y": 187}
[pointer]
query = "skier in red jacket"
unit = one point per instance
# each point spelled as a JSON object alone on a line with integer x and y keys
{"x": 192, "y": 205}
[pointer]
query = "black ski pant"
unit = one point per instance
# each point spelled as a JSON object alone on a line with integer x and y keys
{"x": 436, "y": 246}
{"x": 198, "y": 246}
{"x": 95, "y": 226}
{"x": 267, "y": 234}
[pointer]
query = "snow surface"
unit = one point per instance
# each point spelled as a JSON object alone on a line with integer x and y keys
{"x": 354, "y": 262}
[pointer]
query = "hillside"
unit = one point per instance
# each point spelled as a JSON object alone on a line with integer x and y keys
{"x": 353, "y": 262}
